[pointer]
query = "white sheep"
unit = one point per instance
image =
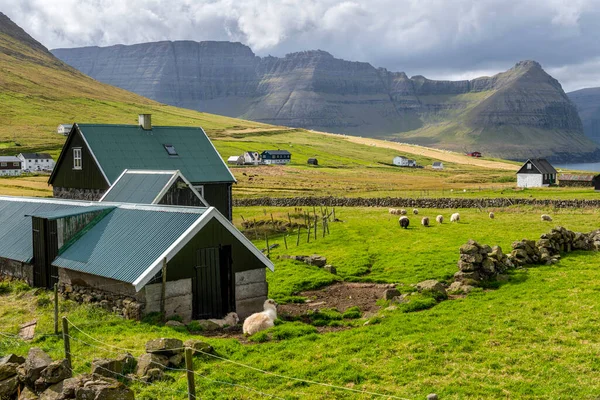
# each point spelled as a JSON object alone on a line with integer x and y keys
{"x": 230, "y": 319}
{"x": 415, "y": 211}
{"x": 546, "y": 217}
{"x": 403, "y": 212}
{"x": 263, "y": 320}
{"x": 394, "y": 211}
{"x": 425, "y": 221}
{"x": 455, "y": 217}
{"x": 404, "y": 222}
{"x": 492, "y": 215}
{"x": 439, "y": 219}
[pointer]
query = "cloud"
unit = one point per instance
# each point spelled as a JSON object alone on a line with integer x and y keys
{"x": 436, "y": 38}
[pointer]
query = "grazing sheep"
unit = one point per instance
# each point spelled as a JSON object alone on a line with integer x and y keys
{"x": 546, "y": 217}
{"x": 425, "y": 221}
{"x": 415, "y": 211}
{"x": 230, "y": 319}
{"x": 394, "y": 211}
{"x": 455, "y": 217}
{"x": 263, "y": 320}
{"x": 492, "y": 215}
{"x": 404, "y": 222}
{"x": 439, "y": 219}
{"x": 403, "y": 211}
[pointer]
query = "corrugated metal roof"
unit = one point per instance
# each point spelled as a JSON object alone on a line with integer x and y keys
{"x": 16, "y": 242}
{"x": 138, "y": 187}
{"x": 573, "y": 177}
{"x": 119, "y": 147}
{"x": 126, "y": 242}
{"x": 69, "y": 212}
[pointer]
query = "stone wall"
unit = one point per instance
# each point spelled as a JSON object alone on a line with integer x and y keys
{"x": 442, "y": 202}
{"x": 16, "y": 270}
{"x": 251, "y": 291}
{"x": 77, "y": 194}
{"x": 179, "y": 298}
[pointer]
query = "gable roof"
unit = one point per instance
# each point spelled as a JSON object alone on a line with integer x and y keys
{"x": 119, "y": 147}
{"x": 277, "y": 152}
{"x": 437, "y": 164}
{"x": 541, "y": 164}
{"x": 145, "y": 187}
{"x": 36, "y": 156}
{"x": 9, "y": 159}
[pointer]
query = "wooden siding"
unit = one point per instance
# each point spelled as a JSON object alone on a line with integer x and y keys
{"x": 181, "y": 196}
{"x": 88, "y": 177}
{"x": 218, "y": 196}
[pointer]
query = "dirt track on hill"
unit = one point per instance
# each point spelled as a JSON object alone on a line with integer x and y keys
{"x": 441, "y": 155}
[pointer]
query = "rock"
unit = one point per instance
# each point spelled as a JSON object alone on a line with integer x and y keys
{"x": 176, "y": 360}
{"x": 471, "y": 258}
{"x": 8, "y": 387}
{"x": 431, "y": 285}
{"x": 198, "y": 346}
{"x": 129, "y": 363}
{"x": 13, "y": 359}
{"x": 7, "y": 370}
{"x": 389, "y": 294}
{"x": 31, "y": 369}
{"x": 164, "y": 346}
{"x": 105, "y": 367}
{"x": 471, "y": 247}
{"x": 496, "y": 253}
{"x": 208, "y": 325}
{"x": 400, "y": 299}
{"x": 485, "y": 249}
{"x": 27, "y": 394}
{"x": 55, "y": 372}
{"x": 459, "y": 287}
{"x": 488, "y": 266}
{"x": 174, "y": 323}
{"x": 104, "y": 389}
{"x": 466, "y": 266}
{"x": 432, "y": 396}
{"x": 64, "y": 389}
{"x": 155, "y": 375}
{"x": 149, "y": 361}
{"x": 316, "y": 260}
{"x": 331, "y": 269}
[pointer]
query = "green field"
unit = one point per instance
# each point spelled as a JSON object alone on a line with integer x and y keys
{"x": 535, "y": 336}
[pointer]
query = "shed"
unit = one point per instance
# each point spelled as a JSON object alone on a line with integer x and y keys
{"x": 437, "y": 165}
{"x": 10, "y": 166}
{"x": 154, "y": 187}
{"x": 536, "y": 172}
{"x": 576, "y": 180}
{"x": 94, "y": 155}
{"x": 235, "y": 160}
{"x": 211, "y": 268}
{"x": 313, "y": 161}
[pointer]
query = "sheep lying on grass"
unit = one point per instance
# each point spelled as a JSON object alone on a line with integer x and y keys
{"x": 492, "y": 215}
{"x": 415, "y": 211}
{"x": 455, "y": 217}
{"x": 230, "y": 319}
{"x": 439, "y": 219}
{"x": 263, "y": 320}
{"x": 404, "y": 222}
{"x": 403, "y": 211}
{"x": 394, "y": 211}
{"x": 546, "y": 217}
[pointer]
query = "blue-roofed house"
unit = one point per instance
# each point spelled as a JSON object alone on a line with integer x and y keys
{"x": 126, "y": 250}
{"x": 95, "y": 155}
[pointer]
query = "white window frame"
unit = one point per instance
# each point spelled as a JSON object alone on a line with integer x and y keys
{"x": 3, "y": 164}
{"x": 77, "y": 159}
{"x": 528, "y": 165}
{"x": 200, "y": 189}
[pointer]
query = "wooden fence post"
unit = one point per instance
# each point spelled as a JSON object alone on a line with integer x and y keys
{"x": 67, "y": 342}
{"x": 285, "y": 241}
{"x": 298, "y": 238}
{"x": 308, "y": 237}
{"x": 316, "y": 226}
{"x": 56, "y": 308}
{"x": 189, "y": 366}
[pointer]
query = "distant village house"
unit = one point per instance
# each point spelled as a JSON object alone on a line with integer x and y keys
{"x": 10, "y": 166}
{"x": 36, "y": 161}
{"x": 251, "y": 158}
{"x": 438, "y": 165}
{"x": 536, "y": 172}
{"x": 276, "y": 157}
{"x": 64, "y": 129}
{"x": 403, "y": 162}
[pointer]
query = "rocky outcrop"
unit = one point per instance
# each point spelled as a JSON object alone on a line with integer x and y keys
{"x": 520, "y": 113}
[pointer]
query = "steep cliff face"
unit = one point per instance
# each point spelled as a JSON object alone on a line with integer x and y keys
{"x": 516, "y": 114}
{"x": 587, "y": 102}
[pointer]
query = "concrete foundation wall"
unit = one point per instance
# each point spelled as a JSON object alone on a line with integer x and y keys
{"x": 179, "y": 298}
{"x": 251, "y": 291}
{"x": 77, "y": 194}
{"x": 17, "y": 270}
{"x": 75, "y": 278}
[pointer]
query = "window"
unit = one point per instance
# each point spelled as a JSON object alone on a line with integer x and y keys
{"x": 200, "y": 189}
{"x": 529, "y": 166}
{"x": 170, "y": 149}
{"x": 3, "y": 164}
{"x": 77, "y": 158}
{"x": 15, "y": 164}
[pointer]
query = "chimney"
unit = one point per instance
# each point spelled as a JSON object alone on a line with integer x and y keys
{"x": 145, "y": 121}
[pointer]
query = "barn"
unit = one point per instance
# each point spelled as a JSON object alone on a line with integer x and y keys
{"x": 577, "y": 180}
{"x": 154, "y": 187}
{"x": 536, "y": 172}
{"x": 94, "y": 155}
{"x": 209, "y": 268}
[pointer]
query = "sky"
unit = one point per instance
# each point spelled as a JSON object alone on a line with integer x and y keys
{"x": 440, "y": 39}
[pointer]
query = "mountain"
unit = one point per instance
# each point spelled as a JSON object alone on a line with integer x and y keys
{"x": 38, "y": 92}
{"x": 517, "y": 114}
{"x": 588, "y": 105}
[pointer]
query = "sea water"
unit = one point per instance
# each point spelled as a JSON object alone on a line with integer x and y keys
{"x": 580, "y": 166}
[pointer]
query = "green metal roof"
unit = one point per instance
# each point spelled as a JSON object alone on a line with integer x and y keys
{"x": 119, "y": 147}
{"x": 138, "y": 187}
{"x": 127, "y": 241}
{"x": 16, "y": 242}
{"x": 69, "y": 212}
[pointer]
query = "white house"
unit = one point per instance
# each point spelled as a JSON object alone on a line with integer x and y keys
{"x": 536, "y": 173}
{"x": 438, "y": 165}
{"x": 10, "y": 166}
{"x": 252, "y": 157}
{"x": 404, "y": 162}
{"x": 36, "y": 161}
{"x": 64, "y": 129}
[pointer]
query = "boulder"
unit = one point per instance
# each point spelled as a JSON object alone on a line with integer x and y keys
{"x": 471, "y": 247}
{"x": 432, "y": 396}
{"x": 488, "y": 266}
{"x": 64, "y": 389}
{"x": 155, "y": 375}
{"x": 164, "y": 346}
{"x": 431, "y": 285}
{"x": 174, "y": 324}
{"x": 31, "y": 369}
{"x": 496, "y": 253}
{"x": 13, "y": 359}
{"x": 471, "y": 258}
{"x": 55, "y": 372}
{"x": 27, "y": 394}
{"x": 198, "y": 346}
{"x": 104, "y": 389}
{"x": 467, "y": 267}
{"x": 105, "y": 367}
{"x": 8, "y": 387}
{"x": 316, "y": 260}
{"x": 389, "y": 294}
{"x": 129, "y": 363}
{"x": 7, "y": 370}
{"x": 176, "y": 360}
{"x": 331, "y": 269}
{"x": 149, "y": 361}
{"x": 208, "y": 325}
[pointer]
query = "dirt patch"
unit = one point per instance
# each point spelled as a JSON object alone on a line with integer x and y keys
{"x": 340, "y": 296}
